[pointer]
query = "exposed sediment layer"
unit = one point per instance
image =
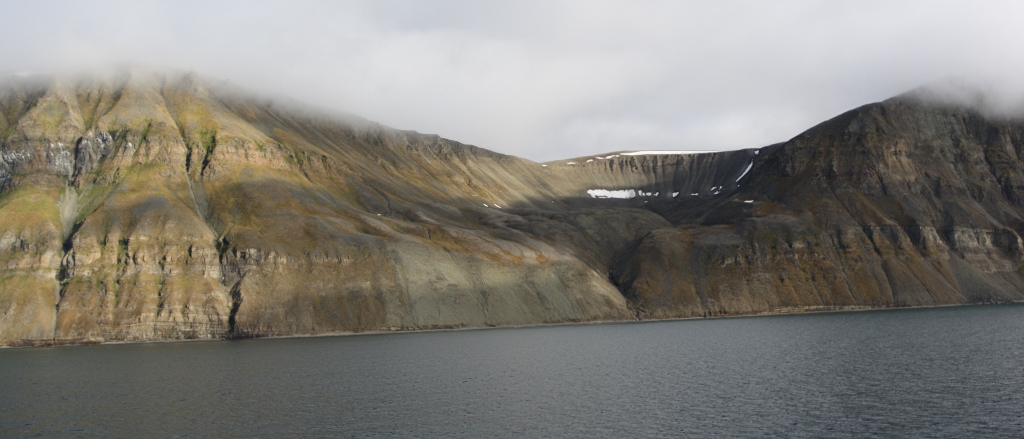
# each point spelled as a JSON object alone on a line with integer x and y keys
{"x": 149, "y": 205}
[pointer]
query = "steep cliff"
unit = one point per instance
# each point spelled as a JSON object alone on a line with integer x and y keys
{"x": 148, "y": 205}
{"x": 903, "y": 202}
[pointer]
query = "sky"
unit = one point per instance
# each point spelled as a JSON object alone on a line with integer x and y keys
{"x": 547, "y": 79}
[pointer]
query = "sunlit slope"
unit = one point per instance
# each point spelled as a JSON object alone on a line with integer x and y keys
{"x": 190, "y": 213}
{"x": 144, "y": 205}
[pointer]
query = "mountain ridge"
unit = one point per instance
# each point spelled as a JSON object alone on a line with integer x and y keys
{"x": 150, "y": 206}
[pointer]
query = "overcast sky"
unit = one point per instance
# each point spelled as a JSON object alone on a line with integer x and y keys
{"x": 547, "y": 79}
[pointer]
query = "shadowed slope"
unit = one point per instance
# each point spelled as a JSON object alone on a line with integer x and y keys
{"x": 148, "y": 205}
{"x": 897, "y": 203}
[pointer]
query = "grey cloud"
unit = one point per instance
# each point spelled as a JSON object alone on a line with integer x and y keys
{"x": 551, "y": 79}
{"x": 996, "y": 97}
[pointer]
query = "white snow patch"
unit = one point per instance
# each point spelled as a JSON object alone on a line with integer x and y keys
{"x": 605, "y": 193}
{"x": 693, "y": 194}
{"x": 485, "y": 205}
{"x": 751, "y": 165}
{"x": 544, "y": 166}
{"x": 570, "y": 163}
{"x": 749, "y": 201}
{"x": 665, "y": 152}
{"x": 588, "y": 161}
{"x": 756, "y": 152}
{"x": 624, "y": 193}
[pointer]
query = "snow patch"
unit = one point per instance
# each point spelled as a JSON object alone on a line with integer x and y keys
{"x": 675, "y": 194}
{"x": 665, "y": 152}
{"x": 749, "y": 201}
{"x": 751, "y": 165}
{"x": 605, "y": 193}
{"x": 623, "y": 193}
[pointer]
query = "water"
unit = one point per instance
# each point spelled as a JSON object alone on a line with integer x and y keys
{"x": 949, "y": 372}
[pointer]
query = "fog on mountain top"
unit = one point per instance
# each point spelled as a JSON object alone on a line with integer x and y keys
{"x": 547, "y": 80}
{"x": 995, "y": 98}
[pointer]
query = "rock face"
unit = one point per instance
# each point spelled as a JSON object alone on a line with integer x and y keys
{"x": 902, "y": 202}
{"x": 151, "y": 205}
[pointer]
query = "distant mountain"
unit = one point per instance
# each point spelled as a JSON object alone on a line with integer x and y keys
{"x": 146, "y": 205}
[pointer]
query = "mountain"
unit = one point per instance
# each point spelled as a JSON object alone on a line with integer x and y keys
{"x": 903, "y": 202}
{"x": 146, "y": 205}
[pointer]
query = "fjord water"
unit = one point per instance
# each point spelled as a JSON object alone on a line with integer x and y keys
{"x": 941, "y": 372}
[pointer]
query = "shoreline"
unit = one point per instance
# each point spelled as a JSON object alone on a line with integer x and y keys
{"x": 789, "y": 311}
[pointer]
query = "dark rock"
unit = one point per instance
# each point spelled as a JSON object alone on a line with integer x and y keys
{"x": 146, "y": 205}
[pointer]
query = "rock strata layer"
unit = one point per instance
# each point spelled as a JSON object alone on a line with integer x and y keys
{"x": 151, "y": 205}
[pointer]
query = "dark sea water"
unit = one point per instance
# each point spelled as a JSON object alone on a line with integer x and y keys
{"x": 947, "y": 372}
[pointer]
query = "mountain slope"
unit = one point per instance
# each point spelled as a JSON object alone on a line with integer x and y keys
{"x": 146, "y": 206}
{"x": 149, "y": 205}
{"x": 903, "y": 202}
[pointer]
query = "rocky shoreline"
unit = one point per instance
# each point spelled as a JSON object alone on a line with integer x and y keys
{"x": 780, "y": 312}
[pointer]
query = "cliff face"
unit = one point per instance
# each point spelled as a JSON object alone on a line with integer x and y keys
{"x": 142, "y": 205}
{"x": 147, "y": 206}
{"x": 903, "y": 202}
